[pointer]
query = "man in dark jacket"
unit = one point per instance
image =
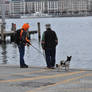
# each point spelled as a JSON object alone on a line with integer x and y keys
{"x": 49, "y": 42}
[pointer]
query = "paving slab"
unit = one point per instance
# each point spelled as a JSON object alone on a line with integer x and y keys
{"x": 40, "y": 79}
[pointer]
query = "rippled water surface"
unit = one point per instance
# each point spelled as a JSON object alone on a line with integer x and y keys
{"x": 74, "y": 35}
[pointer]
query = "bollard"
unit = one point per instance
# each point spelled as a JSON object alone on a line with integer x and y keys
{"x": 39, "y": 33}
{"x": 28, "y": 35}
{"x": 13, "y": 29}
{"x": 2, "y": 33}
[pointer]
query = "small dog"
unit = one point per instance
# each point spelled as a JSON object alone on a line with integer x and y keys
{"x": 64, "y": 63}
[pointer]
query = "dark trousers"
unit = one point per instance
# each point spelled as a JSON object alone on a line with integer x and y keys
{"x": 22, "y": 53}
{"x": 50, "y": 56}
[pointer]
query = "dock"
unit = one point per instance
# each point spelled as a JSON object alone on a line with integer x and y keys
{"x": 12, "y": 32}
{"x": 40, "y": 79}
{"x": 4, "y": 34}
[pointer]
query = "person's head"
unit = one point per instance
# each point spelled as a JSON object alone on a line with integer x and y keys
{"x": 25, "y": 26}
{"x": 48, "y": 26}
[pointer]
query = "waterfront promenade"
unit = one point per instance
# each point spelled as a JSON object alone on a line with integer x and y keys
{"x": 39, "y": 79}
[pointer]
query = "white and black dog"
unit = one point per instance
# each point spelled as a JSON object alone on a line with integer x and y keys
{"x": 64, "y": 63}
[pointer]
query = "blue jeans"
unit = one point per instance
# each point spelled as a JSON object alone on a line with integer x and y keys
{"x": 50, "y": 56}
{"x": 22, "y": 53}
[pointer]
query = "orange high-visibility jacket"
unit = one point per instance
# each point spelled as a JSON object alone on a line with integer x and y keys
{"x": 25, "y": 27}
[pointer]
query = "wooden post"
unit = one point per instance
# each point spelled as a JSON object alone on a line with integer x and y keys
{"x": 39, "y": 33}
{"x": 28, "y": 35}
{"x": 3, "y": 20}
{"x": 13, "y": 29}
{"x": 2, "y": 33}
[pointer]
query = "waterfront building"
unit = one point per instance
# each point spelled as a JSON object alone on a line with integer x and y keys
{"x": 52, "y": 7}
{"x": 74, "y": 6}
{"x": 59, "y": 7}
{"x": 7, "y": 8}
{"x": 44, "y": 6}
{"x": 17, "y": 8}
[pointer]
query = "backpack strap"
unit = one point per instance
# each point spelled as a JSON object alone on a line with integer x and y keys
{"x": 21, "y": 32}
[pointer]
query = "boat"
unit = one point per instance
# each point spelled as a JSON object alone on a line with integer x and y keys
{"x": 36, "y": 15}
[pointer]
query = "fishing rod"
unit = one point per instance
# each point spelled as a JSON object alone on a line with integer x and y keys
{"x": 37, "y": 50}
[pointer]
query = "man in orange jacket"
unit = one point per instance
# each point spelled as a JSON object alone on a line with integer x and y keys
{"x": 22, "y": 43}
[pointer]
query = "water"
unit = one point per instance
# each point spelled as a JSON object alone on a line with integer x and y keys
{"x": 74, "y": 35}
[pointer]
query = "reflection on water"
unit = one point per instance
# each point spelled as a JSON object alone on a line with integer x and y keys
{"x": 3, "y": 53}
{"x": 10, "y": 54}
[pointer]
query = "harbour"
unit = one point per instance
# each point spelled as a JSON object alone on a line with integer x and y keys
{"x": 72, "y": 22}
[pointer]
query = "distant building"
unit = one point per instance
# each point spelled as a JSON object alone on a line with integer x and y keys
{"x": 7, "y": 7}
{"x": 17, "y": 7}
{"x": 73, "y": 6}
{"x": 58, "y": 7}
{"x": 5, "y": 3}
{"x": 44, "y": 6}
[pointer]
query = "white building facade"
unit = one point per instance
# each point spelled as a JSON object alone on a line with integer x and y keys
{"x": 59, "y": 6}
{"x": 17, "y": 7}
{"x": 44, "y": 6}
{"x": 53, "y": 7}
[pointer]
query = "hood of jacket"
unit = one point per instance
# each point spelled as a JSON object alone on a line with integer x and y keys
{"x": 25, "y": 26}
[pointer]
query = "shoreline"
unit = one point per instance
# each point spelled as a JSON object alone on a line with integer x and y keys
{"x": 63, "y": 16}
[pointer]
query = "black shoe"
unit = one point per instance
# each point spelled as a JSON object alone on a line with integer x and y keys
{"x": 48, "y": 67}
{"x": 52, "y": 67}
{"x": 24, "y": 66}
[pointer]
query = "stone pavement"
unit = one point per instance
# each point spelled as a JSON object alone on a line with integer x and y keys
{"x": 39, "y": 79}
